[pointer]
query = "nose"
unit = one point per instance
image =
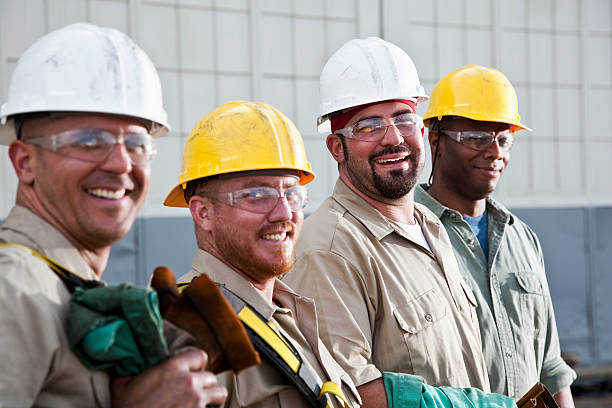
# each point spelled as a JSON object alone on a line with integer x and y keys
{"x": 281, "y": 211}
{"x": 392, "y": 136}
{"x": 118, "y": 160}
{"x": 494, "y": 151}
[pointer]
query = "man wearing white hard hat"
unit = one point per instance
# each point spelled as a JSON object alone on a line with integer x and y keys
{"x": 380, "y": 267}
{"x": 84, "y": 105}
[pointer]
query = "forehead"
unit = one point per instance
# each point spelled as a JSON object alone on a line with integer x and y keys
{"x": 51, "y": 125}
{"x": 381, "y": 109}
{"x": 459, "y": 124}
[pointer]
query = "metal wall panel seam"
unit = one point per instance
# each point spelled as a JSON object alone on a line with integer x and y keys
{"x": 256, "y": 71}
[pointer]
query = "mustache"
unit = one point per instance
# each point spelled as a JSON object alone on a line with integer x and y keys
{"x": 277, "y": 227}
{"x": 391, "y": 150}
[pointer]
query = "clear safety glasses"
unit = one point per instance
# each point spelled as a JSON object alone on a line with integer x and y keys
{"x": 374, "y": 129}
{"x": 480, "y": 140}
{"x": 95, "y": 145}
{"x": 262, "y": 200}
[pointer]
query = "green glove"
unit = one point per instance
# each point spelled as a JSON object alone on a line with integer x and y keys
{"x": 408, "y": 391}
{"x": 117, "y": 329}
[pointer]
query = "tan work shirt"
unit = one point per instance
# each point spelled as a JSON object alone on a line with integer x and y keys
{"x": 37, "y": 367}
{"x": 261, "y": 385}
{"x": 385, "y": 302}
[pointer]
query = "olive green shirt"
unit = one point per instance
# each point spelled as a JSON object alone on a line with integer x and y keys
{"x": 37, "y": 367}
{"x": 517, "y": 321}
{"x": 263, "y": 386}
{"x": 385, "y": 302}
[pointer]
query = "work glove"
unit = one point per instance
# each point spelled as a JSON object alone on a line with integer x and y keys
{"x": 537, "y": 397}
{"x": 201, "y": 309}
{"x": 117, "y": 329}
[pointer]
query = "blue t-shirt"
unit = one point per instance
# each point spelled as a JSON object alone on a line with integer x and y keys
{"x": 479, "y": 227}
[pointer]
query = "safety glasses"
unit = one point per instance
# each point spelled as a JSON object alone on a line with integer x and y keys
{"x": 374, "y": 129}
{"x": 480, "y": 140}
{"x": 95, "y": 145}
{"x": 262, "y": 200}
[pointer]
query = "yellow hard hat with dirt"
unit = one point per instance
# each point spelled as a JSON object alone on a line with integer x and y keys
{"x": 241, "y": 136}
{"x": 475, "y": 92}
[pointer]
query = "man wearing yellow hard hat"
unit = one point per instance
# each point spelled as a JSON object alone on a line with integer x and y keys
{"x": 472, "y": 118}
{"x": 243, "y": 177}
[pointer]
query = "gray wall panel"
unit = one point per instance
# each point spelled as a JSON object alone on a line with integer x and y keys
{"x": 563, "y": 234}
{"x": 170, "y": 242}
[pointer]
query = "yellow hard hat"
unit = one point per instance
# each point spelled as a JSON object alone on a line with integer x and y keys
{"x": 240, "y": 136}
{"x": 475, "y": 92}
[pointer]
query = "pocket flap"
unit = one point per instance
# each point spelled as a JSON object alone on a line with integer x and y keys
{"x": 421, "y": 312}
{"x": 529, "y": 282}
{"x": 469, "y": 294}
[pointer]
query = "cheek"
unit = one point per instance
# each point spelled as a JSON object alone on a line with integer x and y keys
{"x": 142, "y": 176}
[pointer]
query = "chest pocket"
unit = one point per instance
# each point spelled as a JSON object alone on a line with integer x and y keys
{"x": 425, "y": 326}
{"x": 532, "y": 302}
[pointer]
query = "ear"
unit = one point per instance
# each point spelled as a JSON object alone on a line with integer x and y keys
{"x": 335, "y": 147}
{"x": 201, "y": 212}
{"x": 23, "y": 159}
{"x": 433, "y": 139}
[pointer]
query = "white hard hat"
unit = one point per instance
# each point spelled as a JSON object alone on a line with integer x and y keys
{"x": 84, "y": 68}
{"x": 366, "y": 71}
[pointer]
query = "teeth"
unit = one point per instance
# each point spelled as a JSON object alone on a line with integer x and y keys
{"x": 108, "y": 194}
{"x": 383, "y": 161}
{"x": 275, "y": 237}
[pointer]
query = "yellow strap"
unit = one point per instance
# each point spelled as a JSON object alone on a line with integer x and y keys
{"x": 53, "y": 264}
{"x": 267, "y": 333}
{"x": 333, "y": 388}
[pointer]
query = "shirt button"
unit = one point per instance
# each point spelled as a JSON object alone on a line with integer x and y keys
{"x": 428, "y": 317}
{"x": 471, "y": 241}
{"x": 508, "y": 354}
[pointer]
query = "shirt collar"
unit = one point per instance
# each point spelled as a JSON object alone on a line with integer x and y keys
{"x": 494, "y": 208}
{"x": 24, "y": 227}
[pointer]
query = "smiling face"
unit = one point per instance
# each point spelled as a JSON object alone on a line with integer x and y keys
{"x": 92, "y": 204}
{"x": 387, "y": 169}
{"x": 468, "y": 173}
{"x": 259, "y": 246}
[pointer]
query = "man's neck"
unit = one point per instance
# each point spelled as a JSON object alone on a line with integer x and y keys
{"x": 450, "y": 199}
{"x": 399, "y": 210}
{"x": 96, "y": 259}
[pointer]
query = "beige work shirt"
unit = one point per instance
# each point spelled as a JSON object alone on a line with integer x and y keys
{"x": 385, "y": 302}
{"x": 37, "y": 367}
{"x": 261, "y": 385}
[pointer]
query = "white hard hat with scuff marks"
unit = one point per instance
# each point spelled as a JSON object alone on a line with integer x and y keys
{"x": 364, "y": 71}
{"x": 84, "y": 68}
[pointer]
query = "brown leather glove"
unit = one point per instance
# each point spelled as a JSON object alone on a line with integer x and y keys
{"x": 202, "y": 310}
{"x": 537, "y": 397}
